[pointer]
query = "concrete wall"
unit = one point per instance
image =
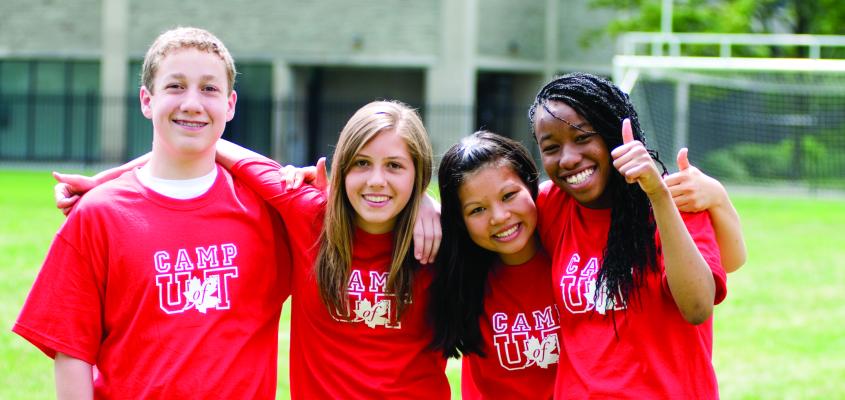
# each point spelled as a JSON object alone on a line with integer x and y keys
{"x": 297, "y": 29}
{"x": 512, "y": 29}
{"x": 576, "y": 21}
{"x": 59, "y": 28}
{"x": 317, "y": 32}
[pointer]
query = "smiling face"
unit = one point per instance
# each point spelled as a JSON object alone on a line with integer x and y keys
{"x": 499, "y": 213}
{"x": 574, "y": 156}
{"x": 380, "y": 181}
{"x": 190, "y": 104}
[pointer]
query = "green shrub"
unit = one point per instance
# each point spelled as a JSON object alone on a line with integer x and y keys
{"x": 723, "y": 165}
{"x": 821, "y": 157}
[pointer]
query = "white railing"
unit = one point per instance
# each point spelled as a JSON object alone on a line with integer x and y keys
{"x": 657, "y": 43}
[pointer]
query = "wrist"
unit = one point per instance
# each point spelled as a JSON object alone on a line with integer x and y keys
{"x": 659, "y": 195}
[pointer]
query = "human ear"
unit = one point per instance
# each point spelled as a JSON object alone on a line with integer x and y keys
{"x": 146, "y": 98}
{"x": 231, "y": 101}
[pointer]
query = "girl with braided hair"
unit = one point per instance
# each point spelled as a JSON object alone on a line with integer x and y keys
{"x": 492, "y": 301}
{"x": 635, "y": 280}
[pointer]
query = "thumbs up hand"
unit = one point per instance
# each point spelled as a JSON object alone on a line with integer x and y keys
{"x": 632, "y": 160}
{"x": 683, "y": 162}
{"x": 691, "y": 189}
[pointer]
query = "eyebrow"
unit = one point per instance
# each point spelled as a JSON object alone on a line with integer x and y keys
{"x": 388, "y": 157}
{"x": 179, "y": 75}
{"x": 470, "y": 205}
{"x": 578, "y": 126}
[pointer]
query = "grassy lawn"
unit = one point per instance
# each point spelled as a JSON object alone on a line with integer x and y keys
{"x": 778, "y": 334}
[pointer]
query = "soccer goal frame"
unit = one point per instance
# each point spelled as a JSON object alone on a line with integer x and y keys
{"x": 662, "y": 55}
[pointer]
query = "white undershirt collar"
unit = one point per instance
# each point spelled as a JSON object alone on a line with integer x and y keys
{"x": 181, "y": 189}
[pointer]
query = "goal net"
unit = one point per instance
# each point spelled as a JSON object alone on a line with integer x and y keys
{"x": 744, "y": 120}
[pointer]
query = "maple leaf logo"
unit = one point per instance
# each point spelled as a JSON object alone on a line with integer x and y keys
{"x": 200, "y": 295}
{"x": 604, "y": 302}
{"x": 541, "y": 353}
{"x": 372, "y": 314}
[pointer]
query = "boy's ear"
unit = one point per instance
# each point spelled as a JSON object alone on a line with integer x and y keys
{"x": 146, "y": 97}
{"x": 232, "y": 100}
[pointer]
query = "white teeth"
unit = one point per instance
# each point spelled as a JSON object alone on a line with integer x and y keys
{"x": 376, "y": 199}
{"x": 191, "y": 124}
{"x": 579, "y": 177}
{"x": 507, "y": 232}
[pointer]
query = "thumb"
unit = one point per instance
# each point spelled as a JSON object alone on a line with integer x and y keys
{"x": 76, "y": 184}
{"x": 321, "y": 180}
{"x": 59, "y": 177}
{"x": 73, "y": 182}
{"x": 683, "y": 161}
{"x": 627, "y": 133}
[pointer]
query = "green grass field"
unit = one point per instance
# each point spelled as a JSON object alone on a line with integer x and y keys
{"x": 779, "y": 334}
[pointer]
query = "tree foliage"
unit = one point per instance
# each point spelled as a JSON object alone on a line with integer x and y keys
{"x": 819, "y": 17}
{"x": 730, "y": 16}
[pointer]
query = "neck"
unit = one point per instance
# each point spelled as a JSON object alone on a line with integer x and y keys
{"x": 167, "y": 167}
{"x": 522, "y": 256}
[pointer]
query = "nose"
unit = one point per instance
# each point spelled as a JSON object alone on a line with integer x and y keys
{"x": 191, "y": 102}
{"x": 376, "y": 177}
{"x": 499, "y": 215}
{"x": 569, "y": 157}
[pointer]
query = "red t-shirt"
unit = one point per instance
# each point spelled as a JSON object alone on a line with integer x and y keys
{"x": 654, "y": 352}
{"x": 168, "y": 298}
{"x": 364, "y": 351}
{"x": 520, "y": 333}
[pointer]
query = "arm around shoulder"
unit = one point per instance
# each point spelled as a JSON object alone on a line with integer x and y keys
{"x": 728, "y": 229}
{"x": 229, "y": 154}
{"x": 694, "y": 191}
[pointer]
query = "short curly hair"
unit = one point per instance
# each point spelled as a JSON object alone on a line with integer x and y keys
{"x": 185, "y": 38}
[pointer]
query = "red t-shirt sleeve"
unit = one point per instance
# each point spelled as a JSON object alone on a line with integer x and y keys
{"x": 702, "y": 233}
{"x": 262, "y": 176}
{"x": 301, "y": 209}
{"x": 64, "y": 310}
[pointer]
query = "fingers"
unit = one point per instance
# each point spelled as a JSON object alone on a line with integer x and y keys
{"x": 77, "y": 184}
{"x": 427, "y": 231}
{"x": 294, "y": 177}
{"x": 683, "y": 204}
{"x": 419, "y": 239}
{"x": 437, "y": 231}
{"x": 677, "y": 189}
{"x": 633, "y": 172}
{"x": 65, "y": 200}
{"x": 674, "y": 179}
{"x": 321, "y": 181}
{"x": 635, "y": 164}
{"x": 298, "y": 177}
{"x": 286, "y": 174}
{"x": 627, "y": 133}
{"x": 683, "y": 161}
{"x": 428, "y": 239}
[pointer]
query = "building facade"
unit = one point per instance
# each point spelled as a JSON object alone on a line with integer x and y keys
{"x": 69, "y": 70}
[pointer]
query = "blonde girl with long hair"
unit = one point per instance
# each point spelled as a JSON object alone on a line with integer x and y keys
{"x": 358, "y": 325}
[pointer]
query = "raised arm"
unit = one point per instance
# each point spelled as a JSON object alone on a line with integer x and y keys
{"x": 694, "y": 191}
{"x": 71, "y": 187}
{"x": 228, "y": 153}
{"x": 74, "y": 378}
{"x": 689, "y": 277}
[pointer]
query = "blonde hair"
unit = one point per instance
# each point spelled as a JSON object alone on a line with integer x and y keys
{"x": 335, "y": 257}
{"x": 185, "y": 38}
